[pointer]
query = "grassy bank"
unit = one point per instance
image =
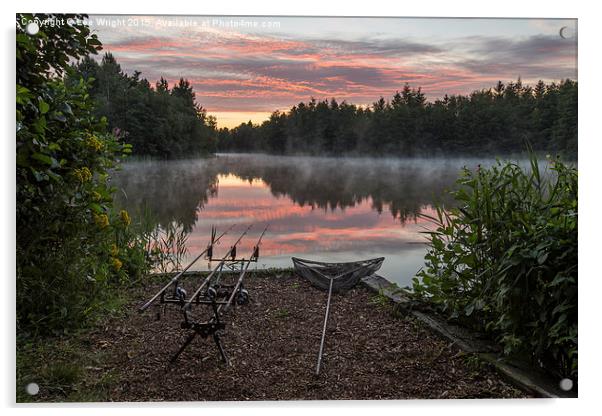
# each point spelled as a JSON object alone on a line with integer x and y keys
{"x": 65, "y": 365}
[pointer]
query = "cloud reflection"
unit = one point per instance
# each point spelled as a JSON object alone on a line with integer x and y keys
{"x": 361, "y": 208}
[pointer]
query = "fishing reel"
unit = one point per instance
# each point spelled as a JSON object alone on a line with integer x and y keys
{"x": 212, "y": 293}
{"x": 180, "y": 294}
{"x": 242, "y": 297}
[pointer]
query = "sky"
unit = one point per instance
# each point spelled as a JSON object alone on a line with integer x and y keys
{"x": 244, "y": 68}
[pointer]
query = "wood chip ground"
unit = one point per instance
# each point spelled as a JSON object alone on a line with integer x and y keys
{"x": 272, "y": 343}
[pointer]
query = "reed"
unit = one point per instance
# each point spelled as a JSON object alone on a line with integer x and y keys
{"x": 504, "y": 260}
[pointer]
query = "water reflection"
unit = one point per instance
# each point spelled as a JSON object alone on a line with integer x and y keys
{"x": 170, "y": 191}
{"x": 323, "y": 208}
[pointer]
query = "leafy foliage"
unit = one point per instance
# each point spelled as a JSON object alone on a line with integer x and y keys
{"x": 71, "y": 244}
{"x": 495, "y": 120}
{"x": 505, "y": 260}
{"x": 157, "y": 121}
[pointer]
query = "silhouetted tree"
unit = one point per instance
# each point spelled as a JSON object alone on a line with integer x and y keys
{"x": 157, "y": 122}
{"x": 496, "y": 120}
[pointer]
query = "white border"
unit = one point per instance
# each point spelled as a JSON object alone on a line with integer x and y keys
{"x": 590, "y": 161}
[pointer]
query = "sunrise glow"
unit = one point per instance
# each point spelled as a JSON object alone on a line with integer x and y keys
{"x": 244, "y": 69}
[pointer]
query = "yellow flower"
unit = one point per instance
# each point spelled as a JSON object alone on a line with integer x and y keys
{"x": 102, "y": 220}
{"x": 96, "y": 196}
{"x": 94, "y": 143}
{"x": 114, "y": 250}
{"x": 125, "y": 217}
{"x": 116, "y": 263}
{"x": 82, "y": 174}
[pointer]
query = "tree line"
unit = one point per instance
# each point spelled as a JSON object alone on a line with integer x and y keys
{"x": 157, "y": 121}
{"x": 168, "y": 123}
{"x": 488, "y": 121}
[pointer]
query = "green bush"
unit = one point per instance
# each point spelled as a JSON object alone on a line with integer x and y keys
{"x": 504, "y": 260}
{"x": 72, "y": 247}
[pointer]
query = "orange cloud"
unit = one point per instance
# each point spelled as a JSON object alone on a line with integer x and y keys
{"x": 242, "y": 76}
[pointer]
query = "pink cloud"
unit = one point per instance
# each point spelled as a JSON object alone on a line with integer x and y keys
{"x": 264, "y": 73}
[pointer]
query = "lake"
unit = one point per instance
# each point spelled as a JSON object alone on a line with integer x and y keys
{"x": 329, "y": 209}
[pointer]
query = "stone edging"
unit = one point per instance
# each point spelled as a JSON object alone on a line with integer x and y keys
{"x": 527, "y": 379}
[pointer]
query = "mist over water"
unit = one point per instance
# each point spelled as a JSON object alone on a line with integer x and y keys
{"x": 330, "y": 209}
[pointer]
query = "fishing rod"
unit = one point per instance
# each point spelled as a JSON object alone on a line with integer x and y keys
{"x": 233, "y": 261}
{"x": 214, "y": 240}
{"x": 255, "y": 255}
{"x": 219, "y": 301}
{"x": 219, "y": 266}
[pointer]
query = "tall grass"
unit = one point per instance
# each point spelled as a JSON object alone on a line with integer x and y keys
{"x": 504, "y": 260}
{"x": 166, "y": 247}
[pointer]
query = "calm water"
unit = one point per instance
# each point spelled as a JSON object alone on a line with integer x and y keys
{"x": 319, "y": 208}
